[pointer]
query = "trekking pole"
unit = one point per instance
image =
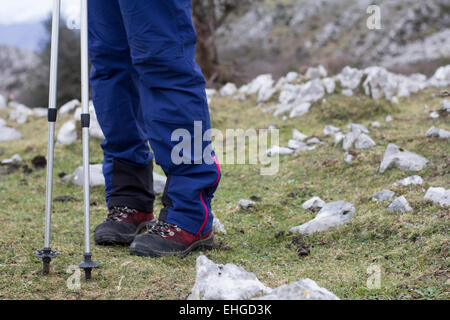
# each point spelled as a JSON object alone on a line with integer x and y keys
{"x": 47, "y": 254}
{"x": 87, "y": 265}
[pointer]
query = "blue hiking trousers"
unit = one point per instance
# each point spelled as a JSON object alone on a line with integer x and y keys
{"x": 146, "y": 85}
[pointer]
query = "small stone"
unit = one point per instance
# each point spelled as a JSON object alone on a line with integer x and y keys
{"x": 2, "y": 102}
{"x": 279, "y": 150}
{"x": 295, "y": 144}
{"x": 297, "y": 135}
{"x": 402, "y": 159}
{"x": 95, "y": 175}
{"x": 224, "y": 282}
{"x": 433, "y": 131}
{"x": 304, "y": 289}
{"x": 68, "y": 133}
{"x": 434, "y": 115}
{"x": 246, "y": 204}
{"x": 358, "y": 127}
{"x": 333, "y": 214}
{"x": 412, "y": 180}
{"x": 364, "y": 141}
{"x": 300, "y": 110}
{"x": 388, "y": 119}
{"x": 228, "y": 89}
{"x": 375, "y": 124}
{"x": 399, "y": 204}
{"x": 313, "y": 204}
{"x": 348, "y": 158}
{"x": 330, "y": 130}
{"x": 439, "y": 196}
{"x": 338, "y": 137}
{"x": 444, "y": 134}
{"x": 7, "y": 134}
{"x": 159, "y": 183}
{"x": 218, "y": 226}
{"x": 68, "y": 107}
{"x": 314, "y": 140}
{"x": 383, "y": 195}
{"x": 14, "y": 159}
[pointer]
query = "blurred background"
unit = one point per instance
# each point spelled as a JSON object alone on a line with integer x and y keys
{"x": 240, "y": 39}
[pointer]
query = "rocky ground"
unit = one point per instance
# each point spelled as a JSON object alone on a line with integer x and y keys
{"x": 363, "y": 185}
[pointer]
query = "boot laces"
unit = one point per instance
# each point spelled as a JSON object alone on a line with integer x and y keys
{"x": 164, "y": 229}
{"x": 119, "y": 213}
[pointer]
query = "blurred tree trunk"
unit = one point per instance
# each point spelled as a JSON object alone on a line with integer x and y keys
{"x": 208, "y": 16}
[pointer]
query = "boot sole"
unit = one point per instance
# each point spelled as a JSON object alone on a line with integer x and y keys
{"x": 110, "y": 238}
{"x": 142, "y": 251}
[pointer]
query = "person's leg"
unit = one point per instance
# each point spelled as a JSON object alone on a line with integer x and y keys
{"x": 172, "y": 89}
{"x": 127, "y": 164}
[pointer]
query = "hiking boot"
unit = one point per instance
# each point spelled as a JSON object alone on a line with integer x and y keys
{"x": 165, "y": 239}
{"x": 121, "y": 226}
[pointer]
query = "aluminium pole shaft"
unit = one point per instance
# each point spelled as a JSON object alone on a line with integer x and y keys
{"x": 85, "y": 129}
{"x": 51, "y": 125}
{"x": 87, "y": 265}
{"x": 47, "y": 254}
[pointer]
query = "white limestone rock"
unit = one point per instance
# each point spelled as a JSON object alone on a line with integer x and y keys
{"x": 295, "y": 144}
{"x": 40, "y": 112}
{"x": 69, "y": 107}
{"x": 297, "y": 135}
{"x": 95, "y": 175}
{"x": 246, "y": 204}
{"x": 375, "y": 124}
{"x": 444, "y": 134}
{"x": 412, "y": 180}
{"x": 304, "y": 289}
{"x": 388, "y": 119}
{"x": 348, "y": 158}
{"x": 383, "y": 195}
{"x": 329, "y": 84}
{"x": 68, "y": 133}
{"x": 350, "y": 78}
{"x": 291, "y": 76}
{"x": 279, "y": 150}
{"x": 225, "y": 282}
{"x": 314, "y": 140}
{"x": 159, "y": 183}
{"x": 313, "y": 204}
{"x": 358, "y": 127}
{"x": 402, "y": 159}
{"x": 364, "y": 141}
{"x": 333, "y": 214}
{"x": 446, "y": 105}
{"x": 338, "y": 137}
{"x": 7, "y": 134}
{"x": 2, "y": 102}
{"x": 434, "y": 115}
{"x": 14, "y": 159}
{"x": 2, "y": 123}
{"x": 300, "y": 110}
{"x": 19, "y": 113}
{"x": 330, "y": 130}
{"x": 228, "y": 89}
{"x": 316, "y": 73}
{"x": 433, "y": 131}
{"x": 439, "y": 196}
{"x": 218, "y": 226}
{"x": 399, "y": 204}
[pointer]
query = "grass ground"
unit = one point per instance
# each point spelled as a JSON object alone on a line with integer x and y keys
{"x": 410, "y": 249}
